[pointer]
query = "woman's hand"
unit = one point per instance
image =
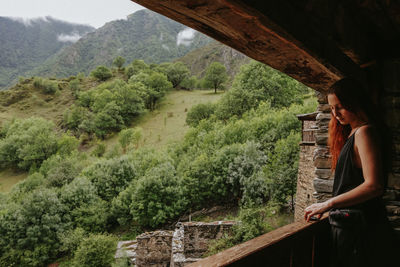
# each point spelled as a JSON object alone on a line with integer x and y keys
{"x": 316, "y": 209}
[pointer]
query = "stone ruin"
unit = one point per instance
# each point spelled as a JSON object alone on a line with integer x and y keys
{"x": 186, "y": 244}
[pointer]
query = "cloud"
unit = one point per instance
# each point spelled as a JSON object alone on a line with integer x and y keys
{"x": 29, "y": 21}
{"x": 185, "y": 37}
{"x": 73, "y": 37}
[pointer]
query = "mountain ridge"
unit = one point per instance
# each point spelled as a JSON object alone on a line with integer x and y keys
{"x": 27, "y": 43}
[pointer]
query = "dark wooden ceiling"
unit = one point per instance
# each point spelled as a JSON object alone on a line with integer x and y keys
{"x": 316, "y": 42}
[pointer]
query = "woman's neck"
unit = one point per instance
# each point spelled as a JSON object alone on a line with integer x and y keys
{"x": 355, "y": 125}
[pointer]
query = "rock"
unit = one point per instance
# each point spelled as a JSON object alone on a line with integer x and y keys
{"x": 394, "y": 181}
{"x": 322, "y": 162}
{"x": 393, "y": 210}
{"x": 321, "y": 197}
{"x": 323, "y": 116}
{"x": 323, "y": 108}
{"x": 321, "y": 139}
{"x": 323, "y": 185}
{"x": 324, "y": 173}
{"x": 321, "y": 97}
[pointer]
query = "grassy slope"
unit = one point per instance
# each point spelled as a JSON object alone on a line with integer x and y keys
{"x": 167, "y": 123}
{"x": 164, "y": 125}
{"x": 9, "y": 177}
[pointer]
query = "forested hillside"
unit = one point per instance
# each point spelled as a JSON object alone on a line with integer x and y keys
{"x": 240, "y": 150}
{"x": 144, "y": 35}
{"x": 199, "y": 59}
{"x": 25, "y": 45}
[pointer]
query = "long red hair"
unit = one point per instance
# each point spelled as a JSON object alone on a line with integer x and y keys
{"x": 354, "y": 98}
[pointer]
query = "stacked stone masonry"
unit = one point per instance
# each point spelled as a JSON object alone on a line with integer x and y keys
{"x": 304, "y": 195}
{"x": 185, "y": 245}
{"x": 191, "y": 240}
{"x": 323, "y": 175}
{"x": 154, "y": 249}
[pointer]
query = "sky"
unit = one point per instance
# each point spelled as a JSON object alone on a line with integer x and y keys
{"x": 93, "y": 12}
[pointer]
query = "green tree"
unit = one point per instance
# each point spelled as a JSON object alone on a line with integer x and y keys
{"x": 257, "y": 83}
{"x": 27, "y": 143}
{"x": 108, "y": 120}
{"x": 101, "y": 73}
{"x": 119, "y": 62}
{"x": 130, "y": 136}
{"x": 282, "y": 169}
{"x": 136, "y": 67}
{"x": 216, "y": 76}
{"x": 158, "y": 196}
{"x": 190, "y": 83}
{"x": 199, "y": 112}
{"x": 96, "y": 250}
{"x": 29, "y": 231}
{"x": 110, "y": 177}
{"x": 177, "y": 72}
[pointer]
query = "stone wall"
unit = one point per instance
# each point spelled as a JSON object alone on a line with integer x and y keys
{"x": 154, "y": 249}
{"x": 323, "y": 176}
{"x": 177, "y": 248}
{"x": 191, "y": 240}
{"x": 305, "y": 177}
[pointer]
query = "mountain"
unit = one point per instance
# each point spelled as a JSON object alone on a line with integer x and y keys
{"x": 25, "y": 44}
{"x": 199, "y": 59}
{"x": 143, "y": 35}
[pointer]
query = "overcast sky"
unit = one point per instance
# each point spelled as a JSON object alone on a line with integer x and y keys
{"x": 93, "y": 12}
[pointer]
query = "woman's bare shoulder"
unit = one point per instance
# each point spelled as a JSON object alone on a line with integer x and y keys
{"x": 367, "y": 134}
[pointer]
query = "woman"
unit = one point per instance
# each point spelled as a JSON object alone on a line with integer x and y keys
{"x": 359, "y": 225}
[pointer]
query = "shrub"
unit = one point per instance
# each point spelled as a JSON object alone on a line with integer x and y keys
{"x": 80, "y": 191}
{"x": 60, "y": 170}
{"x": 66, "y": 145}
{"x": 199, "y": 112}
{"x": 119, "y": 62}
{"x": 47, "y": 86}
{"x": 108, "y": 120}
{"x": 74, "y": 85}
{"x": 101, "y": 73}
{"x": 33, "y": 226}
{"x": 110, "y": 177}
{"x": 246, "y": 176}
{"x": 99, "y": 150}
{"x": 92, "y": 216}
{"x": 27, "y": 143}
{"x": 95, "y": 250}
{"x": 159, "y": 196}
{"x": 130, "y": 136}
{"x": 71, "y": 240}
{"x": 31, "y": 183}
{"x": 120, "y": 207}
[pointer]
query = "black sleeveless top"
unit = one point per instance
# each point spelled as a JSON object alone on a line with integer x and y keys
{"x": 348, "y": 177}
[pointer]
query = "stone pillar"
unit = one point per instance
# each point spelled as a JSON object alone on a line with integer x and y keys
{"x": 323, "y": 176}
{"x": 154, "y": 249}
{"x": 305, "y": 177}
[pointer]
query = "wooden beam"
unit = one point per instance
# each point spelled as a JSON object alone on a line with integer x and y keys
{"x": 247, "y": 27}
{"x": 262, "y": 243}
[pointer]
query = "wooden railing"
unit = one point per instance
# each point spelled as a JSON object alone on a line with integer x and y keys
{"x": 297, "y": 244}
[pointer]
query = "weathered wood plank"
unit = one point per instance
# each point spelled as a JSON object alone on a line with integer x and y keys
{"x": 273, "y": 246}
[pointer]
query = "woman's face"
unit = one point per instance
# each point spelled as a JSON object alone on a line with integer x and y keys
{"x": 339, "y": 112}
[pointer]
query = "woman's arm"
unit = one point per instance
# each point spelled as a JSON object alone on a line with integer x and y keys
{"x": 367, "y": 152}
